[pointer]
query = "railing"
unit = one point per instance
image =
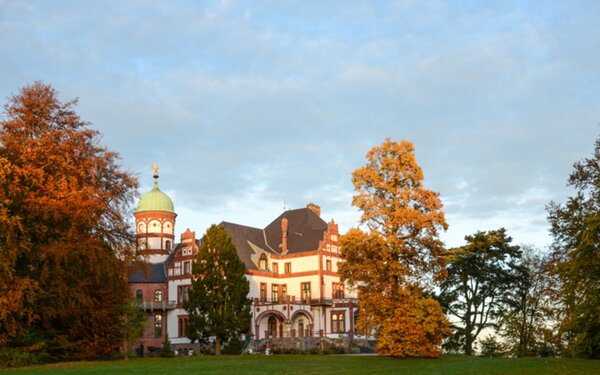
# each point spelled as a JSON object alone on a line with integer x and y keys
{"x": 312, "y": 302}
{"x": 157, "y": 305}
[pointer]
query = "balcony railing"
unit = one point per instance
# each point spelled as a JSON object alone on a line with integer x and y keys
{"x": 312, "y": 302}
{"x": 157, "y": 305}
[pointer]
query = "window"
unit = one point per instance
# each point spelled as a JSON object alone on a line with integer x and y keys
{"x": 182, "y": 326}
{"x": 328, "y": 265}
{"x": 275, "y": 293}
{"x": 263, "y": 292}
{"x": 275, "y": 267}
{"x": 157, "y": 325}
{"x": 168, "y": 245}
{"x": 338, "y": 290}
{"x": 187, "y": 266}
{"x": 288, "y": 268}
{"x": 183, "y": 293}
{"x": 139, "y": 295}
{"x": 305, "y": 287}
{"x": 177, "y": 269}
{"x": 262, "y": 262}
{"x": 284, "y": 293}
{"x": 338, "y": 322}
{"x": 158, "y": 295}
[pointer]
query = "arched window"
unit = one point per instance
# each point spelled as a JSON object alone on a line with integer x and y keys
{"x": 139, "y": 295}
{"x": 338, "y": 322}
{"x": 262, "y": 262}
{"x": 158, "y": 295}
{"x": 168, "y": 245}
{"x": 157, "y": 325}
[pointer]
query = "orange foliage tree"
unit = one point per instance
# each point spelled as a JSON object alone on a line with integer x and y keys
{"x": 63, "y": 230}
{"x": 396, "y": 263}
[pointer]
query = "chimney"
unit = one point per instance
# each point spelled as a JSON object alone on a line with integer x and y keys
{"x": 284, "y": 230}
{"x": 314, "y": 208}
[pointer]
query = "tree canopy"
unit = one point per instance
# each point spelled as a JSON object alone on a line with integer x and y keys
{"x": 395, "y": 264}
{"x": 575, "y": 227}
{"x": 481, "y": 274}
{"x": 63, "y": 230}
{"x": 218, "y": 304}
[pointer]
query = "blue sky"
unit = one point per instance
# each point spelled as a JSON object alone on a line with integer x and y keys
{"x": 246, "y": 104}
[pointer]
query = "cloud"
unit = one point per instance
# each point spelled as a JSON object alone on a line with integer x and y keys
{"x": 244, "y": 105}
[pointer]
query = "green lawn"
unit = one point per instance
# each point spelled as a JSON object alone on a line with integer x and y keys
{"x": 320, "y": 364}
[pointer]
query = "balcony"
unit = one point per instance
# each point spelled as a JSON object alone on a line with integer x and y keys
{"x": 321, "y": 302}
{"x": 157, "y": 305}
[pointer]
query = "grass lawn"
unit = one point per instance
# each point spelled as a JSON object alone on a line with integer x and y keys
{"x": 320, "y": 364}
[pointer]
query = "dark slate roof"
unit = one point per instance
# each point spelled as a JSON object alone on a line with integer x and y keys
{"x": 241, "y": 236}
{"x": 150, "y": 273}
{"x": 305, "y": 230}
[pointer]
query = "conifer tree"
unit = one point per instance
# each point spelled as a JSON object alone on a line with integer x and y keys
{"x": 218, "y": 304}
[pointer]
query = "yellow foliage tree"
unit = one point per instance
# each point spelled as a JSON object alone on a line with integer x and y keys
{"x": 400, "y": 257}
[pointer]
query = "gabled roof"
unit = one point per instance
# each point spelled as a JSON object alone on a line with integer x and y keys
{"x": 305, "y": 230}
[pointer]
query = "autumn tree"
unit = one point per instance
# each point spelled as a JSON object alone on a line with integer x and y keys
{"x": 63, "y": 230}
{"x": 529, "y": 311}
{"x": 218, "y": 304}
{"x": 575, "y": 227}
{"x": 395, "y": 264}
{"x": 481, "y": 275}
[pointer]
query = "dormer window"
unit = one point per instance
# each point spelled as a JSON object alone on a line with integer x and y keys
{"x": 262, "y": 262}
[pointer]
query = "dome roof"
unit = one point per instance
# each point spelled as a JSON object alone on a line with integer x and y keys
{"x": 155, "y": 200}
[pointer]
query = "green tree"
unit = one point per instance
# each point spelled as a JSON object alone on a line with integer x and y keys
{"x": 133, "y": 322}
{"x": 575, "y": 227}
{"x": 395, "y": 264}
{"x": 63, "y": 230}
{"x": 529, "y": 308}
{"x": 218, "y": 304}
{"x": 480, "y": 277}
{"x": 167, "y": 349}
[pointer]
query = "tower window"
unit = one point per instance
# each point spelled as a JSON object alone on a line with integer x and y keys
{"x": 168, "y": 245}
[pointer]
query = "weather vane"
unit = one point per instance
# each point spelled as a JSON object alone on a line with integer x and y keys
{"x": 284, "y": 205}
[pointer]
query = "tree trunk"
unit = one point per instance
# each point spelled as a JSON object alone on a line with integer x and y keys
{"x": 468, "y": 344}
{"x": 217, "y": 345}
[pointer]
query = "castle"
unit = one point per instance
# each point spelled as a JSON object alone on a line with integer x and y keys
{"x": 291, "y": 266}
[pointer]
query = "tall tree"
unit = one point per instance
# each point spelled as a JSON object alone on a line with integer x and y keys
{"x": 575, "y": 227}
{"x": 529, "y": 309}
{"x": 480, "y": 277}
{"x": 395, "y": 264}
{"x": 63, "y": 229}
{"x": 218, "y": 302}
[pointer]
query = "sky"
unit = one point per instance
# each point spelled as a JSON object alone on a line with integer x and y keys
{"x": 247, "y": 105}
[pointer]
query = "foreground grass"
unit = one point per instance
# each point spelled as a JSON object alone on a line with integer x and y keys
{"x": 320, "y": 364}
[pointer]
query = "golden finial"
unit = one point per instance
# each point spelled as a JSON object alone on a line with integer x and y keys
{"x": 155, "y": 169}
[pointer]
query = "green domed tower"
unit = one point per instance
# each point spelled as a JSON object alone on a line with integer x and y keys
{"x": 155, "y": 223}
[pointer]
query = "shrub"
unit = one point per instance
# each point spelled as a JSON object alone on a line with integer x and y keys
{"x": 167, "y": 350}
{"x": 13, "y": 357}
{"x": 490, "y": 347}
